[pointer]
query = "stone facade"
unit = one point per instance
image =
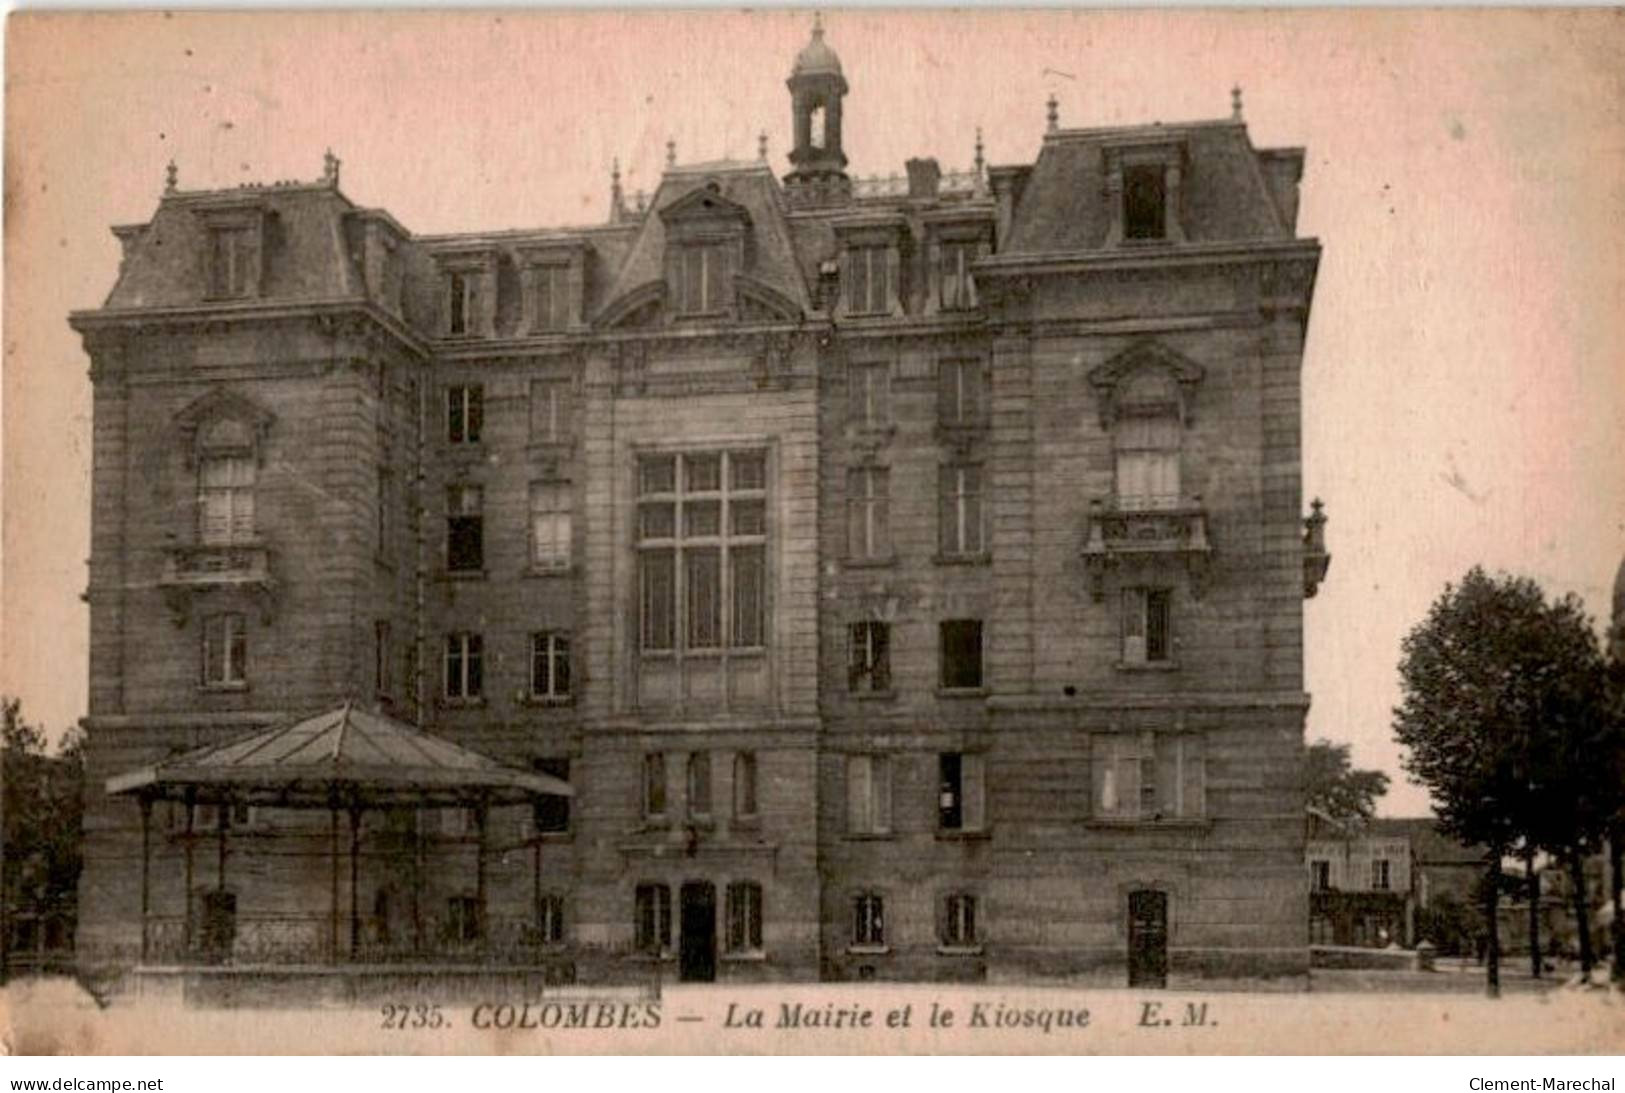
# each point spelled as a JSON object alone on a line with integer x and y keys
{"x": 908, "y": 579}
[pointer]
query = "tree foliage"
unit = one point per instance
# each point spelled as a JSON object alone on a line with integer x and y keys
{"x": 1336, "y": 787}
{"x": 1503, "y": 717}
{"x": 42, "y": 814}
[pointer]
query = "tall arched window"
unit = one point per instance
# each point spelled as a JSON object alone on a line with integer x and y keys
{"x": 1146, "y": 440}
{"x": 225, "y": 483}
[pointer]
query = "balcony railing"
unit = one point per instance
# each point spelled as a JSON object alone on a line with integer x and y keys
{"x": 1145, "y": 530}
{"x": 282, "y": 939}
{"x": 198, "y": 568}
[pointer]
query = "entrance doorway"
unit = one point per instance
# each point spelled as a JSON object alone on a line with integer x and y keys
{"x": 1147, "y": 938}
{"x": 697, "y": 961}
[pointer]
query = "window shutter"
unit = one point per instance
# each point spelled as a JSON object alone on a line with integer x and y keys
{"x": 879, "y": 514}
{"x": 242, "y": 511}
{"x": 1103, "y": 776}
{"x": 972, "y": 381}
{"x": 881, "y": 777}
{"x": 975, "y": 527}
{"x": 973, "y": 788}
{"x": 941, "y": 287}
{"x": 948, "y": 510}
{"x": 893, "y": 294}
{"x": 1194, "y": 776}
{"x": 857, "y": 545}
{"x": 1133, "y": 625}
{"x": 858, "y": 815}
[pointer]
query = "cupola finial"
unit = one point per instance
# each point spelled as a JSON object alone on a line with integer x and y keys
{"x": 171, "y": 177}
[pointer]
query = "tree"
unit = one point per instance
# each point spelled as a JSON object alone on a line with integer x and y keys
{"x": 40, "y": 832}
{"x": 1501, "y": 719}
{"x": 1335, "y": 787}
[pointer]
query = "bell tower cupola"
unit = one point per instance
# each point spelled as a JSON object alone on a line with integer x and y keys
{"x": 818, "y": 165}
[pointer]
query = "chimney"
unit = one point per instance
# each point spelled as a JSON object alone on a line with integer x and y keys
{"x": 923, "y": 177}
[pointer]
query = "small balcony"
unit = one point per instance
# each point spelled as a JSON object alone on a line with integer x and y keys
{"x": 1146, "y": 532}
{"x": 199, "y": 568}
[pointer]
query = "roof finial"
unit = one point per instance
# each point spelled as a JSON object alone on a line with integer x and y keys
{"x": 980, "y": 162}
{"x": 1235, "y": 103}
{"x": 617, "y": 197}
{"x": 761, "y": 146}
{"x": 818, "y": 24}
{"x": 1053, "y": 113}
{"x": 671, "y": 153}
{"x": 330, "y": 168}
{"x": 171, "y": 177}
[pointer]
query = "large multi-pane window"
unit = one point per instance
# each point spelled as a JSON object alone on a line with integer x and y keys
{"x": 702, "y": 551}
{"x": 464, "y": 666}
{"x": 653, "y": 922}
{"x": 552, "y": 297}
{"x": 958, "y": 287}
{"x": 745, "y": 785}
{"x": 550, "y": 525}
{"x": 869, "y": 388}
{"x": 551, "y": 408}
{"x": 868, "y": 279}
{"x": 550, "y": 664}
{"x": 231, "y": 257}
{"x": 1146, "y": 443}
{"x": 1149, "y": 775}
{"x": 225, "y": 650}
{"x": 1147, "y": 626}
{"x": 465, "y": 413}
{"x": 868, "y": 794}
{"x": 869, "y": 657}
{"x": 226, "y": 499}
{"x": 962, "y": 392}
{"x": 465, "y": 529}
{"x": 961, "y": 523}
{"x": 868, "y": 513}
{"x": 699, "y": 785}
{"x": 961, "y": 805}
{"x": 959, "y": 921}
{"x": 868, "y": 920}
{"x": 703, "y": 275}
{"x": 961, "y": 647}
{"x": 744, "y": 917}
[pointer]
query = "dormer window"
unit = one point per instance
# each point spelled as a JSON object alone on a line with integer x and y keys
{"x": 703, "y": 279}
{"x": 1143, "y": 192}
{"x": 467, "y": 292}
{"x": 552, "y": 280}
{"x": 1145, "y": 203}
{"x": 460, "y": 301}
{"x": 233, "y": 252}
{"x": 552, "y": 297}
{"x": 868, "y": 280}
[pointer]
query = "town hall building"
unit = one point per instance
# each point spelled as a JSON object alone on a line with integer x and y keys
{"x": 786, "y": 578}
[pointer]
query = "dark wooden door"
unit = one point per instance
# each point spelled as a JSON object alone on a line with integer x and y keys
{"x": 697, "y": 962}
{"x": 1148, "y": 938}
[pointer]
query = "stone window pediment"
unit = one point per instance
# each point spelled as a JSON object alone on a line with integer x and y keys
{"x": 223, "y": 422}
{"x": 1146, "y": 379}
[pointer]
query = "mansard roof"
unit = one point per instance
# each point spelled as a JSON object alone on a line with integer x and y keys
{"x": 750, "y": 188}
{"x": 1232, "y": 192}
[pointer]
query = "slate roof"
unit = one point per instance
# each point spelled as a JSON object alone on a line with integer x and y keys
{"x": 344, "y": 755}
{"x": 1226, "y": 196}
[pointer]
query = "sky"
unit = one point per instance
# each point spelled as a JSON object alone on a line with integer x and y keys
{"x": 1463, "y": 394}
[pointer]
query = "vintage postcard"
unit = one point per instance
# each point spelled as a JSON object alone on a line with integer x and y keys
{"x": 804, "y": 532}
